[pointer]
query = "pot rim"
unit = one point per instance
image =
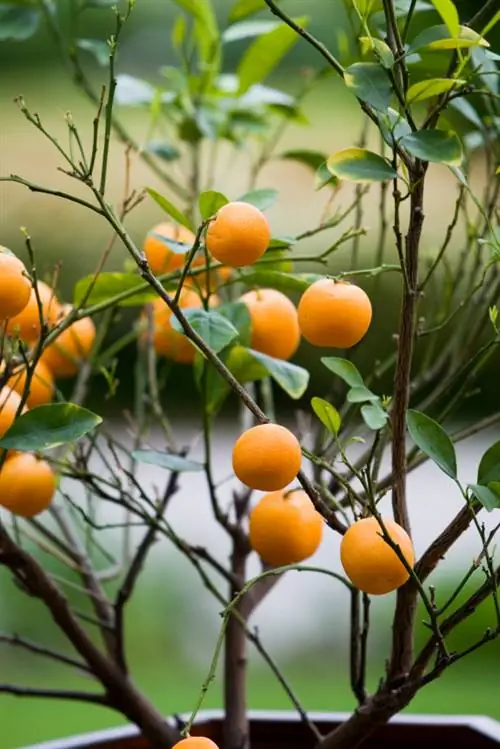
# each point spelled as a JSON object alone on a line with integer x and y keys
{"x": 484, "y": 725}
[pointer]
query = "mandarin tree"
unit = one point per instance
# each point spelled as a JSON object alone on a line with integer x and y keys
{"x": 218, "y": 296}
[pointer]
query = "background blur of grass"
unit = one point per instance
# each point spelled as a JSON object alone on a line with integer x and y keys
{"x": 166, "y": 662}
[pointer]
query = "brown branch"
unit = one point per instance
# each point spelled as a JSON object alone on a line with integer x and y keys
{"x": 33, "y": 647}
{"x": 121, "y": 693}
{"x": 451, "y": 622}
{"x": 402, "y": 643}
{"x": 136, "y": 567}
{"x": 55, "y": 694}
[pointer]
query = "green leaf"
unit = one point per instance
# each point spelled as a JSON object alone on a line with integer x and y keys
{"x": 466, "y": 109}
{"x": 215, "y": 329}
{"x": 432, "y": 440}
{"x": 274, "y": 260}
{"x": 132, "y": 92}
{"x": 489, "y": 466}
{"x": 449, "y": 14}
{"x": 369, "y": 82}
{"x": 324, "y": 177}
{"x": 109, "y": 285}
{"x": 209, "y": 203}
{"x": 360, "y": 165}
{"x": 273, "y": 279}
{"x": 488, "y": 498}
{"x": 18, "y": 23}
{"x": 264, "y": 54}
{"x": 248, "y": 365}
{"x": 163, "y": 150}
{"x": 261, "y": 199}
{"x": 374, "y": 416}
{"x": 434, "y": 145}
{"x": 312, "y": 159}
{"x": 380, "y": 48}
{"x": 361, "y": 394}
{"x": 344, "y": 369}
{"x": 243, "y": 8}
{"x": 238, "y": 315}
{"x": 437, "y": 38}
{"x": 98, "y": 49}
{"x": 49, "y": 426}
{"x": 206, "y": 27}
{"x": 248, "y": 29}
{"x": 432, "y": 87}
{"x": 167, "y": 460}
{"x": 170, "y": 208}
{"x": 327, "y": 414}
{"x": 393, "y": 126}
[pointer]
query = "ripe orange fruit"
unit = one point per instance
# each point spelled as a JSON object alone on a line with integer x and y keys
{"x": 15, "y": 286}
{"x": 275, "y": 325}
{"x": 27, "y": 485}
{"x": 167, "y": 341}
{"x": 285, "y": 528}
{"x": 41, "y": 387}
{"x": 334, "y": 314}
{"x": 161, "y": 258}
{"x": 9, "y": 405}
{"x": 267, "y": 457}
{"x": 64, "y": 356}
{"x": 195, "y": 742}
{"x": 368, "y": 560}
{"x": 239, "y": 235}
{"x": 26, "y": 324}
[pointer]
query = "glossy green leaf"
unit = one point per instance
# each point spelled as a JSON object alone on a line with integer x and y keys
{"x": 379, "y": 48}
{"x": 248, "y": 365}
{"x": 489, "y": 466}
{"x": 374, "y": 416}
{"x": 265, "y": 53}
{"x": 434, "y": 145}
{"x": 286, "y": 282}
{"x": 239, "y": 316}
{"x": 98, "y": 49}
{"x": 489, "y": 499}
{"x": 311, "y": 159}
{"x": 344, "y": 369}
{"x": 169, "y": 208}
{"x": 370, "y": 83}
{"x": 215, "y": 329}
{"x": 361, "y": 394}
{"x": 465, "y": 108}
{"x": 209, "y": 203}
{"x": 360, "y": 165}
{"x": 432, "y": 440}
{"x": 244, "y": 8}
{"x": 49, "y": 426}
{"x": 108, "y": 286}
{"x": 393, "y": 126}
{"x": 327, "y": 414}
{"x": 449, "y": 14}
{"x": 261, "y": 199}
{"x": 248, "y": 29}
{"x": 437, "y": 38}
{"x": 432, "y": 87}
{"x": 323, "y": 177}
{"x": 18, "y": 22}
{"x": 171, "y": 462}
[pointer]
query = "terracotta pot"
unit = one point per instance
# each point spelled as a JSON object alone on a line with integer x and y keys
{"x": 282, "y": 730}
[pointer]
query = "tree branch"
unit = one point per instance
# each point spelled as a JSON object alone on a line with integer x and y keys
{"x": 33, "y": 647}
{"x": 136, "y": 566}
{"x": 55, "y": 694}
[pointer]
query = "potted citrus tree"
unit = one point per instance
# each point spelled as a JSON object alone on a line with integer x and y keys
{"x": 212, "y": 285}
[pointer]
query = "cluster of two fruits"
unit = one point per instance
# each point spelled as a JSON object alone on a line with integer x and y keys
{"x": 27, "y": 484}
{"x": 331, "y": 314}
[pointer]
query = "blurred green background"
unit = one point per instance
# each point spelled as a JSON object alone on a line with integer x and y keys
{"x": 171, "y": 624}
